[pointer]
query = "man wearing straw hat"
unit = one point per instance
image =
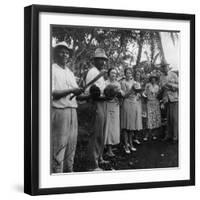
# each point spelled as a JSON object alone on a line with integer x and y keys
{"x": 96, "y": 145}
{"x": 169, "y": 84}
{"x": 63, "y": 112}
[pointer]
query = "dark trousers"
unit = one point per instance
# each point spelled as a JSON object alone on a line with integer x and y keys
{"x": 172, "y": 121}
{"x": 96, "y": 145}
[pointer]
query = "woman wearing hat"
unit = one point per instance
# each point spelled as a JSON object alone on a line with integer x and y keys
{"x": 153, "y": 106}
{"x": 139, "y": 79}
{"x": 131, "y": 112}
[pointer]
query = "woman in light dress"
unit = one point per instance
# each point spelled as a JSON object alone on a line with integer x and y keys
{"x": 131, "y": 112}
{"x": 138, "y": 80}
{"x": 153, "y": 106}
{"x": 112, "y": 133}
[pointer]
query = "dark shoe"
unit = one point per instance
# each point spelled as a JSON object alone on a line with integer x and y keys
{"x": 110, "y": 154}
{"x": 103, "y": 162}
{"x": 174, "y": 141}
{"x": 165, "y": 139}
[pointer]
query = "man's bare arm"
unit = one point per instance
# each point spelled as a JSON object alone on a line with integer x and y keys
{"x": 58, "y": 94}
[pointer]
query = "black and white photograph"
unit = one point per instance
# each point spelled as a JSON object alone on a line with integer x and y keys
{"x": 114, "y": 99}
{"x": 109, "y": 100}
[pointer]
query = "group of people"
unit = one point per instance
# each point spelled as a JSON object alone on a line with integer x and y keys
{"x": 120, "y": 106}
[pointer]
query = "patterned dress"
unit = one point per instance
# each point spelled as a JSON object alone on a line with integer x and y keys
{"x": 131, "y": 111}
{"x": 153, "y": 106}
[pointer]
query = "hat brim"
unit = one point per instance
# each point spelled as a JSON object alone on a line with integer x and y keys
{"x": 156, "y": 77}
{"x": 63, "y": 46}
{"x": 164, "y": 64}
{"x": 105, "y": 58}
{"x": 137, "y": 90}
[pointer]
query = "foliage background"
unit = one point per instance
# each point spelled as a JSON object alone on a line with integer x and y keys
{"x": 139, "y": 49}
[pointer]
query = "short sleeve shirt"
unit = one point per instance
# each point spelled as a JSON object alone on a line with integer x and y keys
{"x": 92, "y": 73}
{"x": 171, "y": 78}
{"x": 63, "y": 79}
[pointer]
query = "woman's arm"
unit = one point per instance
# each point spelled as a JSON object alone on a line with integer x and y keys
{"x": 146, "y": 90}
{"x": 128, "y": 93}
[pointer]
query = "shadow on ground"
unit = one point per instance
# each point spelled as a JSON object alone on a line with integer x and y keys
{"x": 150, "y": 154}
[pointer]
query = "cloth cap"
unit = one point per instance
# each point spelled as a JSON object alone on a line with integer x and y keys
{"x": 164, "y": 63}
{"x": 62, "y": 44}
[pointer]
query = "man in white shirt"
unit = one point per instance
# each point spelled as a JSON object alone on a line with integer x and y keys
{"x": 96, "y": 145}
{"x": 64, "y": 126}
{"x": 93, "y": 72}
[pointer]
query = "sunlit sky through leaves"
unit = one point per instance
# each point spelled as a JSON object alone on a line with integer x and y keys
{"x": 171, "y": 50}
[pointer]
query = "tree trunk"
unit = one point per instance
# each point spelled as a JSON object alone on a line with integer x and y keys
{"x": 152, "y": 47}
{"x": 160, "y": 46}
{"x": 140, "y": 45}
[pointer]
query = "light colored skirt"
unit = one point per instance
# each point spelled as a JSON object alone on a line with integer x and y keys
{"x": 112, "y": 130}
{"x": 64, "y": 130}
{"x": 131, "y": 115}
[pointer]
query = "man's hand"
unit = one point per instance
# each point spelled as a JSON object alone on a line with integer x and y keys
{"x": 119, "y": 95}
{"x": 77, "y": 91}
{"x": 166, "y": 86}
{"x": 172, "y": 87}
{"x": 162, "y": 106}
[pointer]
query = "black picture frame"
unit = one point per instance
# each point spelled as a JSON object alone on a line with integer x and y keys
{"x": 31, "y": 98}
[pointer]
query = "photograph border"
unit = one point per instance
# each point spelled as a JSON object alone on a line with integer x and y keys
{"x": 32, "y": 108}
